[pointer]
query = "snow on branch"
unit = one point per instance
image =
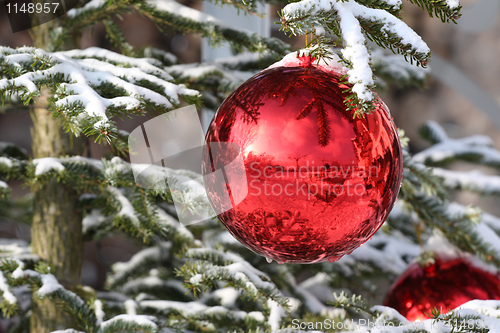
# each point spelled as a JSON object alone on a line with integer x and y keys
{"x": 446, "y": 10}
{"x": 114, "y": 181}
{"x": 129, "y": 323}
{"x": 48, "y": 286}
{"x": 81, "y": 79}
{"x": 355, "y": 51}
{"x": 126, "y": 208}
{"x": 310, "y": 301}
{"x": 11, "y": 168}
{"x": 11, "y": 150}
{"x": 481, "y": 227}
{"x": 91, "y": 5}
{"x": 460, "y": 227}
{"x": 5, "y": 289}
{"x": 393, "y": 68}
{"x": 169, "y": 13}
{"x": 90, "y": 13}
{"x": 196, "y": 74}
{"x": 351, "y": 22}
{"x": 140, "y": 262}
{"x": 477, "y": 148}
{"x": 4, "y": 189}
{"x": 214, "y": 265}
{"x": 201, "y": 312}
{"x": 389, "y": 253}
{"x": 474, "y": 180}
{"x": 154, "y": 285}
{"x": 94, "y": 221}
{"x": 164, "y": 57}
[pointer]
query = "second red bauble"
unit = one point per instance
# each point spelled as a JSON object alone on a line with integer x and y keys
{"x": 304, "y": 181}
{"x": 445, "y": 284}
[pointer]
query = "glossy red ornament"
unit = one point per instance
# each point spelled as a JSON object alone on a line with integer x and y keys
{"x": 446, "y": 284}
{"x": 316, "y": 182}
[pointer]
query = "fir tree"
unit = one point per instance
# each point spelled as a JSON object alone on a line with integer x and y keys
{"x": 199, "y": 278}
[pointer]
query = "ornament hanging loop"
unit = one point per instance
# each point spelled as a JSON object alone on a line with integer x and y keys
{"x": 310, "y": 39}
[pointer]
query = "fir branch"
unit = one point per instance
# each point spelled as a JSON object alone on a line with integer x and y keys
{"x": 173, "y": 14}
{"x": 12, "y": 168}
{"x": 209, "y": 76}
{"x": 248, "y": 62}
{"x": 195, "y": 313}
{"x": 161, "y": 288}
{"x": 474, "y": 181}
{"x": 394, "y": 69}
{"x": 355, "y": 302}
{"x": 118, "y": 39}
{"x": 8, "y": 149}
{"x": 433, "y": 132}
{"x": 165, "y": 58}
{"x": 95, "y": 11}
{"x": 239, "y": 274}
{"x": 394, "y": 8}
{"x": 459, "y": 228}
{"x": 477, "y": 149}
{"x": 351, "y": 22}
{"x": 129, "y": 323}
{"x": 441, "y": 8}
{"x": 4, "y": 190}
{"x": 48, "y": 286}
{"x": 141, "y": 262}
{"x": 8, "y": 305}
{"x": 422, "y": 178}
{"x": 88, "y": 91}
{"x": 95, "y": 225}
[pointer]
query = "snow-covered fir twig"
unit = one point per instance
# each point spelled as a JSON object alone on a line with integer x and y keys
{"x": 81, "y": 79}
{"x": 354, "y": 21}
{"x": 168, "y": 13}
{"x": 477, "y": 148}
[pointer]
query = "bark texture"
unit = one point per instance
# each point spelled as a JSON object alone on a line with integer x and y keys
{"x": 56, "y": 232}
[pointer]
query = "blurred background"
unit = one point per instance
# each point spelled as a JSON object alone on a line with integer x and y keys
{"x": 463, "y": 95}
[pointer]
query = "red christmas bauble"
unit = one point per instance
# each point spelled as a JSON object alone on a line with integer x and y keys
{"x": 304, "y": 180}
{"x": 445, "y": 284}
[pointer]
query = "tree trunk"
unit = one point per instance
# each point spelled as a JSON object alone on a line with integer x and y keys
{"x": 56, "y": 232}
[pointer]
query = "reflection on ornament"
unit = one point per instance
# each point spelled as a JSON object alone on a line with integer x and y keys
{"x": 445, "y": 285}
{"x": 320, "y": 182}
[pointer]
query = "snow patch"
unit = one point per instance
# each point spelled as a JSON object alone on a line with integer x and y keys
{"x": 127, "y": 209}
{"x": 6, "y": 161}
{"x": 276, "y": 314}
{"x": 4, "y": 288}
{"x": 452, "y": 4}
{"x": 46, "y": 164}
{"x": 196, "y": 279}
{"x": 92, "y": 220}
{"x": 49, "y": 285}
{"x": 99, "y": 313}
{"x": 142, "y": 320}
{"x": 130, "y": 307}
